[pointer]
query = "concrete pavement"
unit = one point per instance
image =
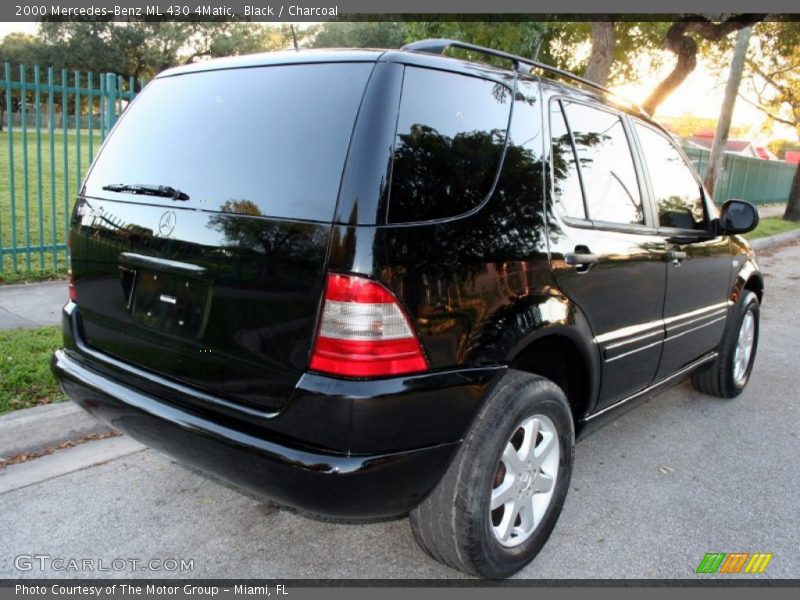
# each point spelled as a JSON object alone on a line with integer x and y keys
{"x": 652, "y": 492}
{"x": 42, "y": 427}
{"x": 32, "y": 304}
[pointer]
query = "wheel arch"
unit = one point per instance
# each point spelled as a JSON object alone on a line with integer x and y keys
{"x": 748, "y": 278}
{"x": 755, "y": 284}
{"x": 565, "y": 355}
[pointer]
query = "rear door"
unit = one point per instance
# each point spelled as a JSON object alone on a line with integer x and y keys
{"x": 699, "y": 263}
{"x": 216, "y": 285}
{"x": 606, "y": 254}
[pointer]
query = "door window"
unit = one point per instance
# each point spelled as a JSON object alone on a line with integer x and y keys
{"x": 678, "y": 195}
{"x": 606, "y": 165}
{"x": 567, "y": 192}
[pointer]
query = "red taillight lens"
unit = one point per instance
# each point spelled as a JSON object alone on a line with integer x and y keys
{"x": 364, "y": 332}
{"x": 71, "y": 287}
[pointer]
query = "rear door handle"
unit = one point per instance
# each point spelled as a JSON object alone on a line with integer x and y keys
{"x": 676, "y": 256}
{"x": 160, "y": 264}
{"x": 580, "y": 259}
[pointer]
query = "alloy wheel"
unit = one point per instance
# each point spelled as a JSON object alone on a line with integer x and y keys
{"x": 525, "y": 480}
{"x": 744, "y": 348}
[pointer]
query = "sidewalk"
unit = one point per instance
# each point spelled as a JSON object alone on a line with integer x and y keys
{"x": 773, "y": 210}
{"x": 32, "y": 304}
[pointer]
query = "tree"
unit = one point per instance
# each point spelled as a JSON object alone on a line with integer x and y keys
{"x": 18, "y": 49}
{"x": 582, "y": 47}
{"x": 617, "y": 48}
{"x": 774, "y": 77}
{"x": 602, "y": 56}
{"x": 779, "y": 147}
{"x": 726, "y": 112}
{"x": 522, "y": 38}
{"x": 21, "y": 48}
{"x": 365, "y": 34}
{"x": 679, "y": 41}
{"x": 142, "y": 49}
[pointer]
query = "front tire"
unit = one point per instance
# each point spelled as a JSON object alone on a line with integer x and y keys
{"x": 728, "y": 375}
{"x": 501, "y": 497}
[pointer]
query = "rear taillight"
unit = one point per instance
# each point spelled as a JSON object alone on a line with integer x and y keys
{"x": 364, "y": 332}
{"x": 71, "y": 287}
{"x": 70, "y": 281}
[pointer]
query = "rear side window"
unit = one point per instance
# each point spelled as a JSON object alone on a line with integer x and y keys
{"x": 260, "y": 141}
{"x": 606, "y": 165}
{"x": 451, "y": 131}
{"x": 678, "y": 195}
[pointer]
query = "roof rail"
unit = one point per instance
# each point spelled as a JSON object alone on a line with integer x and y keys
{"x": 438, "y": 46}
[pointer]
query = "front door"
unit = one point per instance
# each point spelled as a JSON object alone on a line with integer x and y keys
{"x": 699, "y": 266}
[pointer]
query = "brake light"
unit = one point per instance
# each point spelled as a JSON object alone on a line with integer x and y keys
{"x": 364, "y": 332}
{"x": 71, "y": 287}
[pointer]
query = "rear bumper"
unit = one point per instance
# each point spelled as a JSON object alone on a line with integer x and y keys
{"x": 288, "y": 470}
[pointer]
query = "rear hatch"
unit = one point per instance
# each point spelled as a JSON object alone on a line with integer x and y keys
{"x": 199, "y": 241}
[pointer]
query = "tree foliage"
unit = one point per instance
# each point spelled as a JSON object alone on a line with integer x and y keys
{"x": 523, "y": 38}
{"x": 21, "y": 48}
{"x": 138, "y": 49}
{"x": 368, "y": 34}
{"x": 774, "y": 73}
{"x": 780, "y": 147}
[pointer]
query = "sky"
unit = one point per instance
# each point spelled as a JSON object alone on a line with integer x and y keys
{"x": 700, "y": 95}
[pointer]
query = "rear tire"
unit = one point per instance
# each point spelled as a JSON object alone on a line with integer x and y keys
{"x": 728, "y": 375}
{"x": 455, "y": 525}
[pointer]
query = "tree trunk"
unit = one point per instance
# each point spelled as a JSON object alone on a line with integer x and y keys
{"x": 793, "y": 205}
{"x": 726, "y": 113}
{"x": 602, "y": 57}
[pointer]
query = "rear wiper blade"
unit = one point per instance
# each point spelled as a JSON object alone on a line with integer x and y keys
{"x": 165, "y": 191}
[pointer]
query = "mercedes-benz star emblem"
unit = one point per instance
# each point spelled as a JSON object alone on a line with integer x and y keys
{"x": 167, "y": 223}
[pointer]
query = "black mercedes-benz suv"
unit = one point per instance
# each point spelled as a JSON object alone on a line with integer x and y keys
{"x": 368, "y": 283}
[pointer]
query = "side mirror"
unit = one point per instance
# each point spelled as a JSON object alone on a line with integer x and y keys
{"x": 738, "y": 216}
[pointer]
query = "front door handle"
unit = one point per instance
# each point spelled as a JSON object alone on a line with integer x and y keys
{"x": 676, "y": 256}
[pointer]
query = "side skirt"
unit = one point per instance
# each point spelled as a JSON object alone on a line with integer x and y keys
{"x": 595, "y": 421}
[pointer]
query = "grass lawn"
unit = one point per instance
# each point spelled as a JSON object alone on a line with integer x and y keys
{"x": 772, "y": 226}
{"x": 60, "y": 178}
{"x": 25, "y": 377}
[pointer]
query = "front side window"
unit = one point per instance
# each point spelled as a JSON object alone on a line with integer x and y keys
{"x": 451, "y": 131}
{"x": 677, "y": 193}
{"x": 606, "y": 165}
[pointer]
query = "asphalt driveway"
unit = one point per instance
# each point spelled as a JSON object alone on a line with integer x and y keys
{"x": 653, "y": 492}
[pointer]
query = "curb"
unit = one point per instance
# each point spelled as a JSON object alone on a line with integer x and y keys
{"x": 775, "y": 240}
{"x": 41, "y": 427}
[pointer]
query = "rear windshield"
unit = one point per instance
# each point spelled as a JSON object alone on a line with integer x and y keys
{"x": 266, "y": 141}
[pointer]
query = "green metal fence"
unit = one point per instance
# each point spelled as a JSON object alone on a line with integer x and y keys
{"x": 51, "y": 124}
{"x": 752, "y": 179}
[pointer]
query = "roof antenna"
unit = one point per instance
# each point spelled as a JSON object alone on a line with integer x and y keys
{"x": 294, "y": 38}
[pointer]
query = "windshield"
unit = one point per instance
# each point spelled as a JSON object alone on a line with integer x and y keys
{"x": 268, "y": 141}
